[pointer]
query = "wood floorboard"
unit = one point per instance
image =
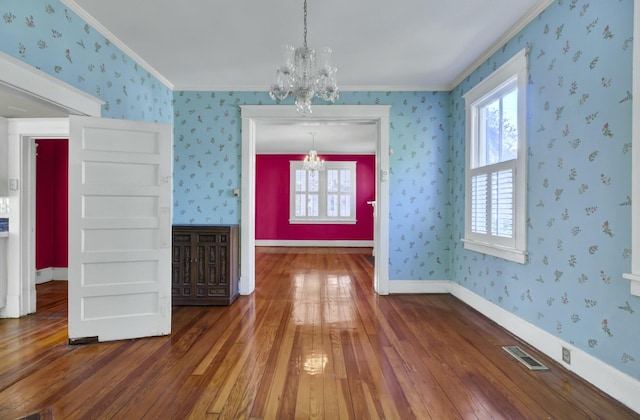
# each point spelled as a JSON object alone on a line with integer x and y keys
{"x": 313, "y": 341}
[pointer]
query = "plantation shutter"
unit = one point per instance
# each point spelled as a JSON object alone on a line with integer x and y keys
{"x": 492, "y": 200}
{"x": 502, "y": 203}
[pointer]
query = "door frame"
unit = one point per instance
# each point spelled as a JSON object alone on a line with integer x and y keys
{"x": 21, "y": 298}
{"x": 253, "y": 116}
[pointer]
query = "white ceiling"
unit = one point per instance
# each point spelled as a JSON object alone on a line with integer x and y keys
{"x": 377, "y": 44}
{"x": 329, "y": 137}
{"x": 381, "y": 45}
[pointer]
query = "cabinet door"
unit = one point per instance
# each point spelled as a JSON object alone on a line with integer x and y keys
{"x": 181, "y": 263}
{"x": 212, "y": 256}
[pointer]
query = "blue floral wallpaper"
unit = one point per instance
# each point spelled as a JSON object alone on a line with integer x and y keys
{"x": 579, "y": 183}
{"x": 579, "y": 134}
{"x": 207, "y": 167}
{"x": 52, "y": 38}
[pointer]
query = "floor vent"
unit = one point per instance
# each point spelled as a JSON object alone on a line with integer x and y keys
{"x": 524, "y": 358}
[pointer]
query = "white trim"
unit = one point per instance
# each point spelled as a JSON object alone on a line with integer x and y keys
{"x": 33, "y": 82}
{"x": 314, "y": 243}
{"x": 95, "y": 24}
{"x": 343, "y": 88}
{"x": 505, "y": 253}
{"x": 419, "y": 286}
{"x": 515, "y": 248}
{"x": 323, "y": 221}
{"x": 501, "y": 76}
{"x": 3, "y": 270}
{"x": 615, "y": 383}
{"x": 51, "y": 273}
{"x": 252, "y": 117}
{"x": 322, "y": 193}
{"x": 21, "y": 294}
{"x": 610, "y": 380}
{"x": 634, "y": 282}
{"x": 634, "y": 276}
{"x": 500, "y": 42}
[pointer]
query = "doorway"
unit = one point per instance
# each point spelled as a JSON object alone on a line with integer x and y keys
{"x": 255, "y": 116}
{"x": 51, "y": 99}
{"x": 51, "y": 223}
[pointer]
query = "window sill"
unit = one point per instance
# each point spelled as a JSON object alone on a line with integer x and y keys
{"x": 322, "y": 222}
{"x": 510, "y": 254}
{"x": 635, "y": 282}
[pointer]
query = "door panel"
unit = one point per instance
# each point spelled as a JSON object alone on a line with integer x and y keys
{"x": 119, "y": 229}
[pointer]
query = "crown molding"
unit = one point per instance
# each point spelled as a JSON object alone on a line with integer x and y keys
{"x": 265, "y": 88}
{"x": 95, "y": 24}
{"x": 533, "y": 13}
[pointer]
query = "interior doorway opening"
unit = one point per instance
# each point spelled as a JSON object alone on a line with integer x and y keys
{"x": 53, "y": 97}
{"x": 51, "y": 209}
{"x": 255, "y": 118}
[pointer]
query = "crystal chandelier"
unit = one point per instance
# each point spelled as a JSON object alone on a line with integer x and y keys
{"x": 311, "y": 161}
{"x": 304, "y": 76}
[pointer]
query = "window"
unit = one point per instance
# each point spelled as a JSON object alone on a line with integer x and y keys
{"x": 496, "y": 168}
{"x": 327, "y": 196}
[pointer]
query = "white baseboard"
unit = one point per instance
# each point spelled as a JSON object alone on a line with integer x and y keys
{"x": 419, "y": 286}
{"x": 60, "y": 273}
{"x": 615, "y": 383}
{"x": 318, "y": 243}
{"x": 51, "y": 273}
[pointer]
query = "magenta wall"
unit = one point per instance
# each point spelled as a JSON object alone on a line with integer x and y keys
{"x": 51, "y": 203}
{"x": 272, "y": 201}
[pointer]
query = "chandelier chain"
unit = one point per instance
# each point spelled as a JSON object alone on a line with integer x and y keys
{"x": 305, "y": 23}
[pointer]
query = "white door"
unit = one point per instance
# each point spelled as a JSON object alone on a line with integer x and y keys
{"x": 119, "y": 229}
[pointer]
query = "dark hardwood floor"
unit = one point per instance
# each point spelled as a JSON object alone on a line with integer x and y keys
{"x": 312, "y": 341}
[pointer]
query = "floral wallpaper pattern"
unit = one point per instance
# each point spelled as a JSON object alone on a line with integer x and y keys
{"x": 207, "y": 167}
{"x": 579, "y": 169}
{"x": 579, "y": 183}
{"x": 52, "y": 38}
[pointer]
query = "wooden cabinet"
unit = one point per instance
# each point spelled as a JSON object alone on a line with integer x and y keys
{"x": 204, "y": 265}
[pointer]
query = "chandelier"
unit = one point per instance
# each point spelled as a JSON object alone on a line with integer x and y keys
{"x": 311, "y": 161}
{"x": 304, "y": 76}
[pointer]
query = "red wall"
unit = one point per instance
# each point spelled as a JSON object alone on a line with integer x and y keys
{"x": 272, "y": 201}
{"x": 52, "y": 164}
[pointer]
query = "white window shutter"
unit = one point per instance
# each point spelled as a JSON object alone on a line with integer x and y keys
{"x": 479, "y": 203}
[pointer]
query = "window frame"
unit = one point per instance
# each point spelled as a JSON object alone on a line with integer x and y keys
{"x": 322, "y": 217}
{"x": 512, "y": 74}
{"x": 634, "y": 275}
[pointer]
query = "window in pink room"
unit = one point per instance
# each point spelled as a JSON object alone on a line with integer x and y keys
{"x": 272, "y": 201}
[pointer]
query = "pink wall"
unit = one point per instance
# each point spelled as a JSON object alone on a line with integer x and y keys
{"x": 51, "y": 203}
{"x": 272, "y": 201}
